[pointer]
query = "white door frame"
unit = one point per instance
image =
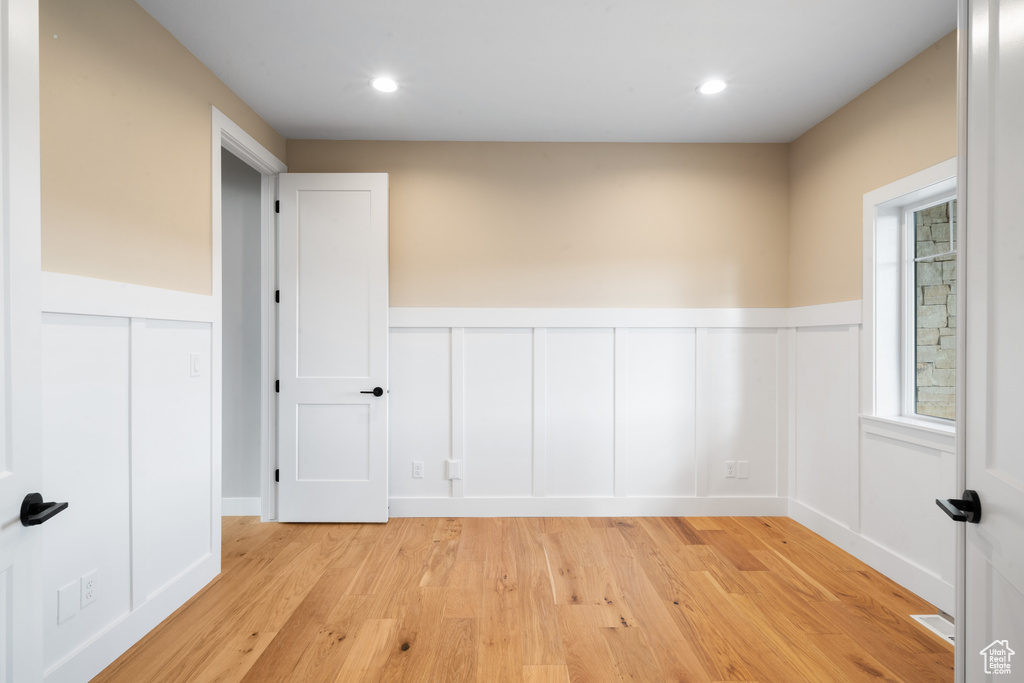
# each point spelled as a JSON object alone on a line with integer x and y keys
{"x": 963, "y": 42}
{"x": 226, "y": 134}
{"x": 20, "y": 200}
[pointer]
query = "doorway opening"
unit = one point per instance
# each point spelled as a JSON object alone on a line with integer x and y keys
{"x": 244, "y": 246}
{"x": 240, "y": 338}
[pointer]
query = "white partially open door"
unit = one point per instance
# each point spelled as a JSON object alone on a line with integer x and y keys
{"x": 333, "y": 403}
{"x": 992, "y": 583}
{"x": 21, "y": 599}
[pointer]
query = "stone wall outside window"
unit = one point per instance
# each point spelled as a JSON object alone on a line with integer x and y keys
{"x": 935, "y": 311}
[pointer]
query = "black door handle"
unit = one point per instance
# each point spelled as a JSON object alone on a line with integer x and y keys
{"x": 966, "y": 509}
{"x": 34, "y": 511}
{"x": 377, "y": 391}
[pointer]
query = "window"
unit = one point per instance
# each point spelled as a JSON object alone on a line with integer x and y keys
{"x": 909, "y": 300}
{"x": 930, "y": 353}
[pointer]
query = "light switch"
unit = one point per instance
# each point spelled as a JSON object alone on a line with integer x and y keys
{"x": 455, "y": 469}
{"x": 194, "y": 364}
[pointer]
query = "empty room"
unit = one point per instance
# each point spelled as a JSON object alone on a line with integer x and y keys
{"x": 578, "y": 341}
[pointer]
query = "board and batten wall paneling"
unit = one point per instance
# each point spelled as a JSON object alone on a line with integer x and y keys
{"x": 827, "y": 384}
{"x": 580, "y": 412}
{"x": 420, "y": 421}
{"x": 661, "y": 412}
{"x": 172, "y": 468}
{"x": 85, "y": 441}
{"x": 736, "y": 413}
{"x": 903, "y": 479}
{"x": 498, "y": 412}
{"x": 128, "y": 442}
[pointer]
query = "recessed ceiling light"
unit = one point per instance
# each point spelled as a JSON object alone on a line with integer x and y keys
{"x": 384, "y": 84}
{"x": 712, "y": 86}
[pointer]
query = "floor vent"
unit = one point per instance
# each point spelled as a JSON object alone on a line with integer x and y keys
{"x": 941, "y": 627}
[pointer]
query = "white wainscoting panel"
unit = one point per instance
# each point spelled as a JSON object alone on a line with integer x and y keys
{"x": 85, "y": 441}
{"x": 498, "y": 412}
{"x": 826, "y": 422}
{"x": 900, "y": 514}
{"x": 171, "y": 459}
{"x": 580, "y": 412}
{"x": 737, "y": 409}
{"x": 661, "y": 412}
{"x": 129, "y": 441}
{"x": 420, "y": 421}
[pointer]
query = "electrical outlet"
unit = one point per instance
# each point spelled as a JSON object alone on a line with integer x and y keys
{"x": 743, "y": 469}
{"x": 455, "y": 469}
{"x": 89, "y": 588}
{"x": 68, "y": 601}
{"x": 730, "y": 469}
{"x": 417, "y": 469}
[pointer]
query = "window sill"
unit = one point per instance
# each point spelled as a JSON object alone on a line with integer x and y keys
{"x": 911, "y": 430}
{"x": 933, "y": 426}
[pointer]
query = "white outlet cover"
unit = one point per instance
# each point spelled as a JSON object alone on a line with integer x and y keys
{"x": 417, "y": 469}
{"x": 89, "y": 588}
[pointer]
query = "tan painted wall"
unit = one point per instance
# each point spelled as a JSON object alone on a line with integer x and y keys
{"x": 577, "y": 224}
{"x": 905, "y": 123}
{"x": 125, "y": 125}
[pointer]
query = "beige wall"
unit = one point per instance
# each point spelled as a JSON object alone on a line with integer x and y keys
{"x": 126, "y": 187}
{"x": 577, "y": 225}
{"x": 905, "y": 123}
{"x": 125, "y": 125}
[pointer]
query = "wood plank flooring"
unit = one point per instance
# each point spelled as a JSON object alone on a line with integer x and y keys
{"x": 537, "y": 600}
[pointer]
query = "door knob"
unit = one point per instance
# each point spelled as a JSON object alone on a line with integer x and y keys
{"x": 34, "y": 511}
{"x": 966, "y": 509}
{"x": 377, "y": 391}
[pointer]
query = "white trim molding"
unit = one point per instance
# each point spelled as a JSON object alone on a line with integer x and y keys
{"x": 920, "y": 580}
{"x": 589, "y": 507}
{"x": 841, "y": 313}
{"x": 240, "y": 507}
{"x": 78, "y": 295}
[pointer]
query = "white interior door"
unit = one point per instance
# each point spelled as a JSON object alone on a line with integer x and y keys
{"x": 333, "y": 278}
{"x": 21, "y": 625}
{"x": 993, "y": 580}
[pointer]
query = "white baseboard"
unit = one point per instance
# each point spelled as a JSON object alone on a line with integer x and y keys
{"x": 911, "y": 576}
{"x": 95, "y": 655}
{"x": 240, "y": 507}
{"x": 587, "y": 507}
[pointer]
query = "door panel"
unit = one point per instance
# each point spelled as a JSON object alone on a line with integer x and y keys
{"x": 333, "y": 260}
{"x": 993, "y": 325}
{"x": 333, "y": 277}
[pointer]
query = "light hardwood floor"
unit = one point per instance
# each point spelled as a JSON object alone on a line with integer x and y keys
{"x": 540, "y": 600}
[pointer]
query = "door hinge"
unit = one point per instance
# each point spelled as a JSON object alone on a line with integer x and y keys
{"x": 277, "y": 296}
{"x": 277, "y": 386}
{"x": 277, "y": 476}
{"x": 277, "y": 206}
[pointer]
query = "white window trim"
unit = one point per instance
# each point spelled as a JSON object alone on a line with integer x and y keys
{"x": 884, "y": 370}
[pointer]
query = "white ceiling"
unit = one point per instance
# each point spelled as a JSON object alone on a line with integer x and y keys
{"x": 552, "y": 70}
